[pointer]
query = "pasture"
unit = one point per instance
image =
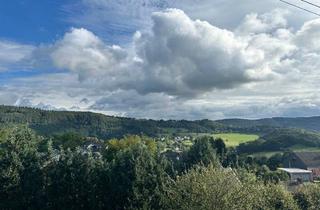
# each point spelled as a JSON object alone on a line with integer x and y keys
{"x": 234, "y": 139}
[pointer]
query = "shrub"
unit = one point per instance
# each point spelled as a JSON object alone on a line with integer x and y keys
{"x": 308, "y": 197}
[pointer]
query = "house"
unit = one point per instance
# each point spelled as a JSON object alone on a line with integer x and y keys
{"x": 298, "y": 175}
{"x": 304, "y": 160}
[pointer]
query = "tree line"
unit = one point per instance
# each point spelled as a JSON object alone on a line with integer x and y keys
{"x": 132, "y": 173}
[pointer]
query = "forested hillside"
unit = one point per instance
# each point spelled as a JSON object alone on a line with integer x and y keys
{"x": 283, "y": 140}
{"x": 308, "y": 123}
{"x": 104, "y": 127}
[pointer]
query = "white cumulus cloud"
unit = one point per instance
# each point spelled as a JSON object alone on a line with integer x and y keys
{"x": 179, "y": 56}
{"x": 82, "y": 52}
{"x": 308, "y": 36}
{"x": 13, "y": 54}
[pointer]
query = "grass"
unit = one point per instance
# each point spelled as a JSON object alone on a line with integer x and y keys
{"x": 230, "y": 139}
{"x": 234, "y": 139}
{"x": 295, "y": 148}
{"x": 266, "y": 154}
{"x": 302, "y": 148}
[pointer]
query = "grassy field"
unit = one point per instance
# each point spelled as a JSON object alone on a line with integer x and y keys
{"x": 230, "y": 139}
{"x": 302, "y": 148}
{"x": 266, "y": 154}
{"x": 234, "y": 139}
{"x": 295, "y": 148}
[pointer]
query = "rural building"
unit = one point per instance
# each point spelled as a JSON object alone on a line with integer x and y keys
{"x": 298, "y": 175}
{"x": 304, "y": 160}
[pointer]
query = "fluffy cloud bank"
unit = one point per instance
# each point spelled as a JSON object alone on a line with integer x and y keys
{"x": 82, "y": 52}
{"x": 178, "y": 56}
{"x": 308, "y": 36}
{"x": 185, "y": 68}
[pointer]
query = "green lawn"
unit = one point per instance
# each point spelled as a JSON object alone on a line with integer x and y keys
{"x": 234, "y": 139}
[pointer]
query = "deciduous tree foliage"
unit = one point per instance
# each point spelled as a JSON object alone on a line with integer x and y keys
{"x": 217, "y": 188}
{"x": 21, "y": 176}
{"x": 201, "y": 152}
{"x": 308, "y": 197}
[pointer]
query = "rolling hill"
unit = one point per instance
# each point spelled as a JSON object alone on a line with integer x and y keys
{"x": 283, "y": 139}
{"x": 102, "y": 126}
{"x": 99, "y": 125}
{"x": 307, "y": 123}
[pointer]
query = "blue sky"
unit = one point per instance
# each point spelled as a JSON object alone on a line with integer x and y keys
{"x": 32, "y": 21}
{"x": 188, "y": 59}
{"x": 44, "y": 21}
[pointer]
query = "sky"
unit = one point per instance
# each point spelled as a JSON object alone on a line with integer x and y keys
{"x": 162, "y": 59}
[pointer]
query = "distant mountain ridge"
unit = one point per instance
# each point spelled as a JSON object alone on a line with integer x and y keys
{"x": 103, "y": 126}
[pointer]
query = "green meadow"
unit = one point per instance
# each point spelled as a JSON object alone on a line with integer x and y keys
{"x": 234, "y": 139}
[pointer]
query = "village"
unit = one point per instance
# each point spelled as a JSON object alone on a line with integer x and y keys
{"x": 301, "y": 167}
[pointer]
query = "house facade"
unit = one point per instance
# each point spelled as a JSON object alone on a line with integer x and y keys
{"x": 298, "y": 175}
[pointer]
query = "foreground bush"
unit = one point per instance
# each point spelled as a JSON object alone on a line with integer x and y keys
{"x": 208, "y": 188}
{"x": 308, "y": 197}
{"x": 272, "y": 197}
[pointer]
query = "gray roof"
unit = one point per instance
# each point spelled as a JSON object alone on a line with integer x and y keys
{"x": 310, "y": 159}
{"x": 295, "y": 170}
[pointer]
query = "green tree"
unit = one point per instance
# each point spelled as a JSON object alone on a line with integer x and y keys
{"x": 273, "y": 196}
{"x": 71, "y": 180}
{"x": 115, "y": 145}
{"x": 136, "y": 179}
{"x": 20, "y": 170}
{"x": 220, "y": 147}
{"x": 68, "y": 140}
{"x": 207, "y": 188}
{"x": 275, "y": 161}
{"x": 308, "y": 197}
{"x": 201, "y": 152}
{"x": 215, "y": 188}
